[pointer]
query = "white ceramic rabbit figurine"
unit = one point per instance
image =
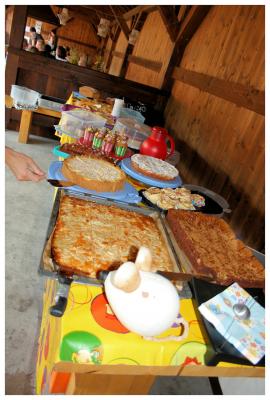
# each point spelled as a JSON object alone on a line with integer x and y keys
{"x": 144, "y": 302}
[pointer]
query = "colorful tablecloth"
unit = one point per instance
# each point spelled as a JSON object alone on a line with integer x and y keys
{"x": 90, "y": 333}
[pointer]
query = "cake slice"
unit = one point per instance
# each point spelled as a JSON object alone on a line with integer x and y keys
{"x": 93, "y": 173}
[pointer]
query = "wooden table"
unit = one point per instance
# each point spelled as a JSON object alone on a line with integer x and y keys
{"x": 26, "y": 118}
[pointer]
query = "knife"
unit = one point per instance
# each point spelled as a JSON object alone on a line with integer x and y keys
{"x": 183, "y": 276}
{"x": 172, "y": 276}
{"x": 59, "y": 183}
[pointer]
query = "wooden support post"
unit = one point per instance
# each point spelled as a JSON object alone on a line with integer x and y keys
{"x": 170, "y": 21}
{"x": 114, "y": 41}
{"x": 124, "y": 68}
{"x": 16, "y": 40}
{"x": 188, "y": 27}
{"x": 26, "y": 120}
{"x": 122, "y": 23}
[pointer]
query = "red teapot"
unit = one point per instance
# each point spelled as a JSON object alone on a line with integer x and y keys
{"x": 155, "y": 145}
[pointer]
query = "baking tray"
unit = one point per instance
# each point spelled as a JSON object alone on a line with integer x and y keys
{"x": 50, "y": 268}
{"x": 224, "y": 350}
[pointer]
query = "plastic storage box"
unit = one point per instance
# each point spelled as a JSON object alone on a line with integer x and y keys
{"x": 135, "y": 131}
{"x": 74, "y": 122}
{"x": 129, "y": 113}
{"x": 51, "y": 103}
{"x": 24, "y": 98}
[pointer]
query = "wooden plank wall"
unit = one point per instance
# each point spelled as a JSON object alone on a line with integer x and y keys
{"x": 222, "y": 144}
{"x": 153, "y": 44}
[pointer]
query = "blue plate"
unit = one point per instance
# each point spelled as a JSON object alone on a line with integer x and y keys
{"x": 57, "y": 152}
{"x": 127, "y": 168}
{"x": 128, "y": 195}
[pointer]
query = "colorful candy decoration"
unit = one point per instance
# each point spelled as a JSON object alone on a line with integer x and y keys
{"x": 121, "y": 145}
{"x": 81, "y": 347}
{"x": 108, "y": 143}
{"x": 98, "y": 139}
{"x": 88, "y": 137}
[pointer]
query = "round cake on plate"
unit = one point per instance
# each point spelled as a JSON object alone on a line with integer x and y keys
{"x": 93, "y": 173}
{"x": 153, "y": 167}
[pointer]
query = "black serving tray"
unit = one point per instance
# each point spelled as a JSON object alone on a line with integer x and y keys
{"x": 223, "y": 350}
{"x": 211, "y": 206}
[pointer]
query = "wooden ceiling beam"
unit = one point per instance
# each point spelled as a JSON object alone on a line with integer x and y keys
{"x": 190, "y": 24}
{"x": 170, "y": 20}
{"x": 139, "y": 9}
{"x": 121, "y": 22}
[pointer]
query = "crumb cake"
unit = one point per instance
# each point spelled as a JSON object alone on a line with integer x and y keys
{"x": 89, "y": 237}
{"x": 212, "y": 248}
{"x": 93, "y": 173}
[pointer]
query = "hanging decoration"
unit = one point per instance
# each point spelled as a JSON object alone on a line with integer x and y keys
{"x": 104, "y": 27}
{"x": 64, "y": 16}
{"x": 133, "y": 36}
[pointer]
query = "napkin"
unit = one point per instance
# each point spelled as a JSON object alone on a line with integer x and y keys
{"x": 247, "y": 336}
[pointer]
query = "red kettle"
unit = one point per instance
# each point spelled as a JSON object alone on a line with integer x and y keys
{"x": 155, "y": 145}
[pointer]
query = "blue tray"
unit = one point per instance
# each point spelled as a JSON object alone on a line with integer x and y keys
{"x": 57, "y": 152}
{"x": 126, "y": 167}
{"x": 128, "y": 195}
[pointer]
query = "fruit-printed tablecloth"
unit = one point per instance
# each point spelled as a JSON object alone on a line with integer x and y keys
{"x": 90, "y": 333}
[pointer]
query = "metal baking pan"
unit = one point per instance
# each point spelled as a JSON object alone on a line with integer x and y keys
{"x": 49, "y": 268}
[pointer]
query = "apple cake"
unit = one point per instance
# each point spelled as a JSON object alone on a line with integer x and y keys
{"x": 93, "y": 173}
{"x": 89, "y": 237}
{"x": 153, "y": 167}
{"x": 213, "y": 249}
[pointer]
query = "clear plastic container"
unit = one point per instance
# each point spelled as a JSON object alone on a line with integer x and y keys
{"x": 135, "y": 131}
{"x": 24, "y": 98}
{"x": 74, "y": 122}
{"x": 129, "y": 113}
{"x": 50, "y": 104}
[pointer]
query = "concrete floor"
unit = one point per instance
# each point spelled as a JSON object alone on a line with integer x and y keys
{"x": 28, "y": 207}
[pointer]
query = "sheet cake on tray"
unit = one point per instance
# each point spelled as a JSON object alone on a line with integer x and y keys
{"x": 90, "y": 236}
{"x": 209, "y": 246}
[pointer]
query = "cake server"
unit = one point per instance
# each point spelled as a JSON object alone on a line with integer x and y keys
{"x": 60, "y": 183}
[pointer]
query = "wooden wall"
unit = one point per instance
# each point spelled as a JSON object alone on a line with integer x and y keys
{"x": 221, "y": 143}
{"x": 153, "y": 44}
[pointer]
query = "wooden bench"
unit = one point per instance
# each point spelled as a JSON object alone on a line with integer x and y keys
{"x": 26, "y": 118}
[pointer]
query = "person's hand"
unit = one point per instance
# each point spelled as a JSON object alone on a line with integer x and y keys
{"x": 23, "y": 167}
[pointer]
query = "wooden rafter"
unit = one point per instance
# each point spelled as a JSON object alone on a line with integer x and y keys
{"x": 121, "y": 22}
{"x": 170, "y": 21}
{"x": 139, "y": 9}
{"x": 188, "y": 27}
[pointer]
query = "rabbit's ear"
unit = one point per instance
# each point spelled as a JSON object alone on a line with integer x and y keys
{"x": 126, "y": 277}
{"x": 144, "y": 259}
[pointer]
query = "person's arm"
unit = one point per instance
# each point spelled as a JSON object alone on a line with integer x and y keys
{"x": 22, "y": 166}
